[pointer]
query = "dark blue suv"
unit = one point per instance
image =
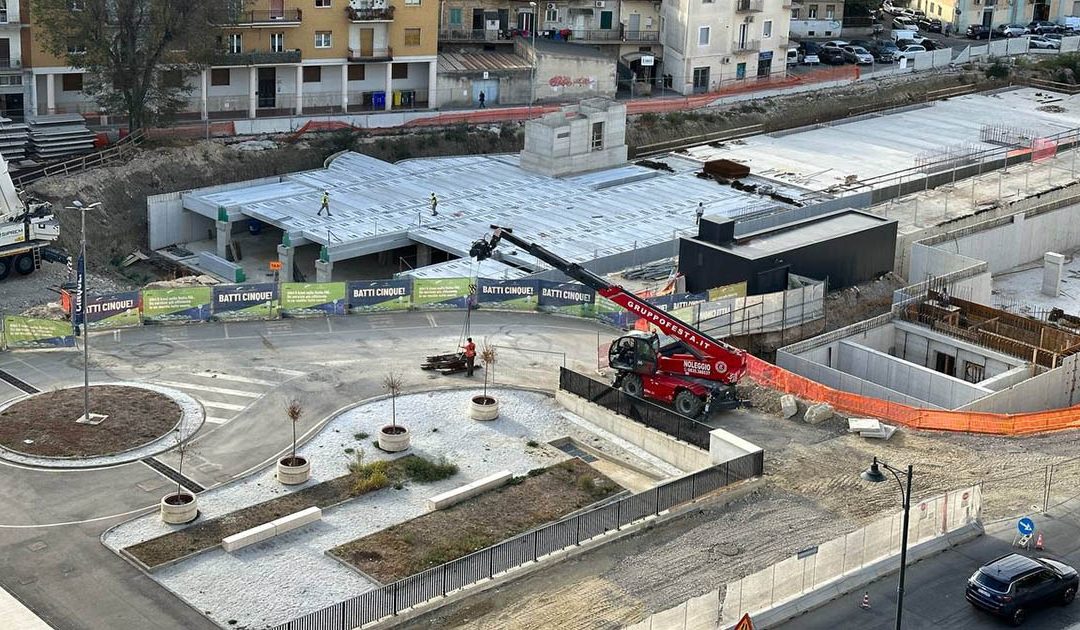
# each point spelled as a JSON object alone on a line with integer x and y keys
{"x": 1014, "y": 584}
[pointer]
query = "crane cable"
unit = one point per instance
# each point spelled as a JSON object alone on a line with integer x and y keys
{"x": 470, "y": 303}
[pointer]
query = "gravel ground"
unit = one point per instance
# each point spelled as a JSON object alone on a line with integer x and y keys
{"x": 191, "y": 420}
{"x": 32, "y": 292}
{"x": 292, "y": 572}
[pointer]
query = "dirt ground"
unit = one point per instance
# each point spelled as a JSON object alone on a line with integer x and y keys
{"x": 44, "y": 424}
{"x": 446, "y": 535}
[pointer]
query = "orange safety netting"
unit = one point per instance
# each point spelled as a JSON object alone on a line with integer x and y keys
{"x": 975, "y": 422}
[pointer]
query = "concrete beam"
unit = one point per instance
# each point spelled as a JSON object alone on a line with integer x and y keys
{"x": 324, "y": 270}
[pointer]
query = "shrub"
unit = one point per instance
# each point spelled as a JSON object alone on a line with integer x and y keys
{"x": 532, "y": 444}
{"x": 374, "y": 481}
{"x": 349, "y": 451}
{"x": 648, "y": 118}
{"x": 360, "y": 435}
{"x": 426, "y": 471}
{"x": 997, "y": 70}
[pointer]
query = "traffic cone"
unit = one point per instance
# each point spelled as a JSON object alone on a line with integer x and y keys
{"x": 865, "y": 605}
{"x": 1039, "y": 542}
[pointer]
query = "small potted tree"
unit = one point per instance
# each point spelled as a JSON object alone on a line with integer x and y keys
{"x": 485, "y": 407}
{"x": 181, "y": 506}
{"x": 393, "y": 437}
{"x": 293, "y": 469}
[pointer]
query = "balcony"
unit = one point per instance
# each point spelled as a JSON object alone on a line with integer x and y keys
{"x": 641, "y": 36}
{"x": 10, "y": 64}
{"x": 264, "y": 18}
{"x": 357, "y": 16}
{"x": 746, "y": 46}
{"x": 371, "y": 54}
{"x": 475, "y": 35}
{"x": 260, "y": 58}
{"x": 749, "y": 6}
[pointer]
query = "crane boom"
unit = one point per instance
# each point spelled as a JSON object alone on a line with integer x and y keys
{"x": 725, "y": 362}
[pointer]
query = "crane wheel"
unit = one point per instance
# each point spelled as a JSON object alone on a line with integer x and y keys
{"x": 632, "y": 385}
{"x": 689, "y": 404}
{"x": 5, "y": 267}
{"x": 24, "y": 264}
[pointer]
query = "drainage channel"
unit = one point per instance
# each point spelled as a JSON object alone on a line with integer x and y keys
{"x": 571, "y": 449}
{"x": 18, "y": 383}
{"x": 171, "y": 473}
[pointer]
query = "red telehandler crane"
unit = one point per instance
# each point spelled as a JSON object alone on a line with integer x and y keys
{"x": 695, "y": 374}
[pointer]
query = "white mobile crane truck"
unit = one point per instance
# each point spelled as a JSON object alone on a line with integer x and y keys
{"x": 26, "y": 230}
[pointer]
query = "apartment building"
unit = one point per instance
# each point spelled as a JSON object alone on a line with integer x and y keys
{"x": 287, "y": 57}
{"x": 11, "y": 59}
{"x": 817, "y": 19}
{"x": 710, "y": 43}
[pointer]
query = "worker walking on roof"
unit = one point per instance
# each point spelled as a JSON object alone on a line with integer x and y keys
{"x": 434, "y": 204}
{"x": 700, "y": 212}
{"x": 470, "y": 356}
{"x": 325, "y": 204}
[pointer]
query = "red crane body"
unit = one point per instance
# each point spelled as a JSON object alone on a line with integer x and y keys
{"x": 693, "y": 381}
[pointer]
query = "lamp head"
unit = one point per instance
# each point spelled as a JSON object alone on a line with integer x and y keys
{"x": 873, "y": 474}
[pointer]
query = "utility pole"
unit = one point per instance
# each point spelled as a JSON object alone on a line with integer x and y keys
{"x": 78, "y": 205}
{"x": 532, "y": 70}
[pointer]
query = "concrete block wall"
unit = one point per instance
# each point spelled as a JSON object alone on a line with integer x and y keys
{"x": 271, "y": 529}
{"x": 913, "y": 380}
{"x": 457, "y": 495}
{"x": 697, "y": 613}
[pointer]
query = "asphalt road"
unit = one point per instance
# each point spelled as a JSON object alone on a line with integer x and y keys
{"x": 934, "y": 588}
{"x": 51, "y": 521}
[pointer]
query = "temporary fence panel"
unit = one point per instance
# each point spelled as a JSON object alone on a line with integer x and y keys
{"x": 1070, "y": 44}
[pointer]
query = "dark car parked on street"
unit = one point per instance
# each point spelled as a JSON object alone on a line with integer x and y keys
{"x": 977, "y": 31}
{"x": 831, "y": 56}
{"x": 883, "y": 51}
{"x": 1013, "y": 585}
{"x": 1042, "y": 27}
{"x": 933, "y": 25}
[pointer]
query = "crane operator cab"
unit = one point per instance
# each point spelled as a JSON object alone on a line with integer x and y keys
{"x": 636, "y": 353}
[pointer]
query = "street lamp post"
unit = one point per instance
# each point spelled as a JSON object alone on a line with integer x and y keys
{"x": 532, "y": 71}
{"x": 874, "y": 475}
{"x": 78, "y": 205}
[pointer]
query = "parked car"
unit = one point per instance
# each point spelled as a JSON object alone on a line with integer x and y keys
{"x": 916, "y": 40}
{"x": 857, "y": 54}
{"x": 865, "y": 43}
{"x": 932, "y": 25}
{"x": 884, "y": 52}
{"x": 1041, "y": 27}
{"x": 809, "y": 52}
{"x": 977, "y": 31}
{"x": 831, "y": 56}
{"x": 1038, "y": 41}
{"x": 1013, "y": 585}
{"x": 908, "y": 52}
{"x": 918, "y": 15}
{"x": 905, "y": 24}
{"x": 835, "y": 43}
{"x": 794, "y": 57}
{"x": 1010, "y": 30}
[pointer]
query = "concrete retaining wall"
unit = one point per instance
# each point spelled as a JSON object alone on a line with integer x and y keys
{"x": 679, "y": 454}
{"x": 1053, "y": 389}
{"x": 271, "y": 529}
{"x": 940, "y": 390}
{"x": 836, "y": 379}
{"x": 457, "y": 495}
{"x": 724, "y": 447}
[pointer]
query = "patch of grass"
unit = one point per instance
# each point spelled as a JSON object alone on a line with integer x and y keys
{"x": 997, "y": 70}
{"x": 350, "y": 451}
{"x": 532, "y": 444}
{"x": 426, "y": 471}
{"x": 445, "y": 551}
{"x": 360, "y": 436}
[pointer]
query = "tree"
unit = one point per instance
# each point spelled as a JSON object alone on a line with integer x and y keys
{"x": 293, "y": 411}
{"x": 392, "y": 384}
{"x": 488, "y": 355}
{"x": 137, "y": 54}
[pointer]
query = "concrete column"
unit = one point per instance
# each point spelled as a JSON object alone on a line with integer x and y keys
{"x": 285, "y": 257}
{"x": 389, "y": 83}
{"x": 423, "y": 255}
{"x": 344, "y": 87}
{"x": 253, "y": 88}
{"x": 203, "y": 109}
{"x": 224, "y": 236}
{"x": 324, "y": 269}
{"x": 432, "y": 92}
{"x": 1053, "y": 268}
{"x": 32, "y": 106}
{"x": 50, "y": 93}
{"x": 299, "y": 90}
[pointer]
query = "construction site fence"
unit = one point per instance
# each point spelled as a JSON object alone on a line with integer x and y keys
{"x": 536, "y": 545}
{"x": 815, "y": 567}
{"x": 637, "y": 409}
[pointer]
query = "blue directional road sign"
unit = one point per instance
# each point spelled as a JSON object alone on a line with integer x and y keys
{"x": 1025, "y": 526}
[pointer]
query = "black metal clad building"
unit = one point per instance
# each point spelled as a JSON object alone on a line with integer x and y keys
{"x": 845, "y": 246}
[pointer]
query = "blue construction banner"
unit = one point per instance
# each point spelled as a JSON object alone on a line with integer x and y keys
{"x": 568, "y": 298}
{"x": 115, "y": 310}
{"x": 78, "y": 311}
{"x": 380, "y": 295}
{"x": 509, "y": 295}
{"x": 234, "y": 302}
{"x": 305, "y": 299}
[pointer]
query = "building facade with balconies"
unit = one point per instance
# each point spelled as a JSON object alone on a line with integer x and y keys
{"x": 12, "y": 101}
{"x": 286, "y": 57}
{"x": 712, "y": 43}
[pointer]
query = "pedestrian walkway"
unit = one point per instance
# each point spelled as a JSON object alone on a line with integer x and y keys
{"x": 17, "y": 616}
{"x": 222, "y": 395}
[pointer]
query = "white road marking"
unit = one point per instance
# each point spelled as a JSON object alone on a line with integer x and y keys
{"x": 16, "y": 615}
{"x": 88, "y": 520}
{"x": 286, "y": 372}
{"x": 232, "y": 377}
{"x": 213, "y": 420}
{"x": 220, "y": 405}
{"x": 196, "y": 387}
{"x": 431, "y": 320}
{"x": 340, "y": 362}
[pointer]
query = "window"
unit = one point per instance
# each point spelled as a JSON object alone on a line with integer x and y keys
{"x": 766, "y": 28}
{"x": 76, "y": 49}
{"x": 322, "y": 39}
{"x": 172, "y": 79}
{"x": 701, "y": 79}
{"x": 597, "y": 136}
{"x": 400, "y": 71}
{"x": 706, "y": 1}
{"x": 236, "y": 43}
{"x": 939, "y": 10}
{"x": 830, "y": 11}
{"x": 1076, "y": 8}
{"x": 312, "y": 74}
{"x": 455, "y": 17}
{"x": 794, "y": 14}
{"x": 552, "y": 15}
{"x": 931, "y": 7}
{"x": 76, "y": 5}
{"x": 415, "y": 3}
{"x": 220, "y": 76}
{"x": 277, "y": 42}
{"x": 703, "y": 36}
{"x": 973, "y": 372}
{"x": 412, "y": 37}
{"x": 356, "y": 72}
{"x": 811, "y": 12}
{"x": 322, "y": 4}
{"x": 71, "y": 82}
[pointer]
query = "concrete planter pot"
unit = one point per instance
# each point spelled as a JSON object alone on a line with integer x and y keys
{"x": 483, "y": 408}
{"x": 393, "y": 439}
{"x": 293, "y": 470}
{"x": 179, "y": 508}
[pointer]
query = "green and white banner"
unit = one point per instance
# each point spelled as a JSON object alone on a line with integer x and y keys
{"x": 441, "y": 293}
{"x": 303, "y": 299}
{"x": 188, "y": 304}
{"x": 30, "y": 332}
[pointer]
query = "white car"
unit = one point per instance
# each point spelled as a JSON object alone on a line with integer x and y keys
{"x": 909, "y": 52}
{"x": 1038, "y": 41}
{"x": 858, "y": 55}
{"x": 1011, "y": 30}
{"x": 905, "y": 24}
{"x": 835, "y": 43}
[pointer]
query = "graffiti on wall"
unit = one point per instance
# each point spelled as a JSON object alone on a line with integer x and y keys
{"x": 562, "y": 80}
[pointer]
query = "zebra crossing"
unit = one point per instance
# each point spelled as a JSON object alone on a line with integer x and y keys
{"x": 224, "y": 395}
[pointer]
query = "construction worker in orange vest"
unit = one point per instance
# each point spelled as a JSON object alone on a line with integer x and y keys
{"x": 470, "y": 356}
